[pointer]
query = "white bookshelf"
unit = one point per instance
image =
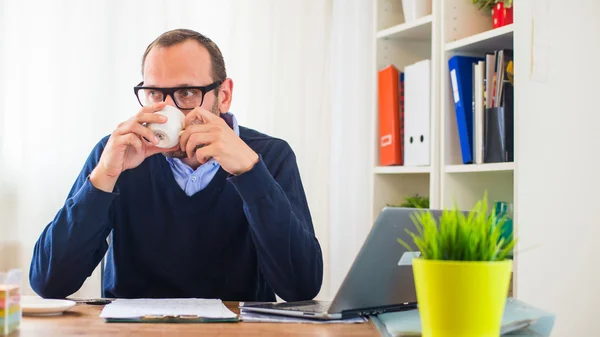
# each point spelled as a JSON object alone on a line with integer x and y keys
{"x": 402, "y": 169}
{"x": 454, "y": 27}
{"x": 419, "y": 29}
{"x": 499, "y": 38}
{"x": 491, "y": 167}
{"x": 402, "y": 43}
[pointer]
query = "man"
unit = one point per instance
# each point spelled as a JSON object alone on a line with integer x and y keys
{"x": 221, "y": 215}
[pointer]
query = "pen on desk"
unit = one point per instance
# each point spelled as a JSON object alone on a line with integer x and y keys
{"x": 93, "y": 301}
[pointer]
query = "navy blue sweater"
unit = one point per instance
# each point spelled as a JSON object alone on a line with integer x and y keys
{"x": 242, "y": 238}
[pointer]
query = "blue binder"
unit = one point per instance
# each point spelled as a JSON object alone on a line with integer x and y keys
{"x": 461, "y": 81}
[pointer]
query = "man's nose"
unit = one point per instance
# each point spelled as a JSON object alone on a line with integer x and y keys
{"x": 169, "y": 100}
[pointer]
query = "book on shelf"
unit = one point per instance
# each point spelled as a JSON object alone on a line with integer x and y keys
{"x": 404, "y": 114}
{"x": 401, "y": 110}
{"x": 417, "y": 114}
{"x": 390, "y": 125}
{"x": 482, "y": 90}
{"x": 461, "y": 81}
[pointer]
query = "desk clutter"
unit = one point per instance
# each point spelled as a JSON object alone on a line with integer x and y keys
{"x": 519, "y": 319}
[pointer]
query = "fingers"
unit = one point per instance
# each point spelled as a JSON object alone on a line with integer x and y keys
{"x": 152, "y": 108}
{"x": 149, "y": 117}
{"x": 205, "y": 153}
{"x": 202, "y": 128}
{"x": 132, "y": 127}
{"x": 147, "y": 114}
{"x": 208, "y": 117}
{"x": 131, "y": 139}
{"x": 196, "y": 128}
{"x": 202, "y": 115}
{"x": 196, "y": 140}
{"x": 191, "y": 117}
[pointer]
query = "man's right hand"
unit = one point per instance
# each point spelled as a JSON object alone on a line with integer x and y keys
{"x": 126, "y": 148}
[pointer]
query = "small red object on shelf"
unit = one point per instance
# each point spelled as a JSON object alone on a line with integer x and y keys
{"x": 502, "y": 16}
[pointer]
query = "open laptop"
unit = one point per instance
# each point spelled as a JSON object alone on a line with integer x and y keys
{"x": 379, "y": 280}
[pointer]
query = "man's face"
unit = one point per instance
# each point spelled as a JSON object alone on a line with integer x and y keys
{"x": 183, "y": 64}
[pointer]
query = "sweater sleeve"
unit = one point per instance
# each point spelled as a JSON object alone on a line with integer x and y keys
{"x": 74, "y": 242}
{"x": 275, "y": 205}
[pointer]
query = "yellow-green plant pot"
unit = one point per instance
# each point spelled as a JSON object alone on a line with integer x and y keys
{"x": 461, "y": 298}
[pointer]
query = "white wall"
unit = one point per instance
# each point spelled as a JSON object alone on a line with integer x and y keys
{"x": 557, "y": 177}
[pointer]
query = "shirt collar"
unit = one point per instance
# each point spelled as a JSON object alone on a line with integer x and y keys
{"x": 231, "y": 121}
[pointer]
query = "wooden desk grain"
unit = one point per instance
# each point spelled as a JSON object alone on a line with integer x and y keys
{"x": 84, "y": 320}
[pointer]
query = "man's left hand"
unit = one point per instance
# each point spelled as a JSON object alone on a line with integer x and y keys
{"x": 213, "y": 138}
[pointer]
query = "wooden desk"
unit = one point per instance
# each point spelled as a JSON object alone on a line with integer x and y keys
{"x": 84, "y": 320}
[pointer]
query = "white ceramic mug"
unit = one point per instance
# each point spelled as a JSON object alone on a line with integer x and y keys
{"x": 168, "y": 133}
{"x": 414, "y": 9}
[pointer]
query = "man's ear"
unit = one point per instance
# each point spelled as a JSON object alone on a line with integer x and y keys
{"x": 225, "y": 95}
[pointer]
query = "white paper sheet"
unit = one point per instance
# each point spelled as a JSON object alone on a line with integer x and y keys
{"x": 131, "y": 308}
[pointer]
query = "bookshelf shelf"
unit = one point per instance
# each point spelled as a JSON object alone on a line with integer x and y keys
{"x": 418, "y": 30}
{"x": 402, "y": 169}
{"x": 492, "y": 167}
{"x": 499, "y": 38}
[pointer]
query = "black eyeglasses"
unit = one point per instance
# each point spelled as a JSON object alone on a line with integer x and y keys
{"x": 186, "y": 98}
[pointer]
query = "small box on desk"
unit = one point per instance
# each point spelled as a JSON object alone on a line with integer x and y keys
{"x": 10, "y": 301}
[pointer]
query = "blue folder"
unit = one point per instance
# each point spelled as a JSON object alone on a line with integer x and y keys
{"x": 461, "y": 81}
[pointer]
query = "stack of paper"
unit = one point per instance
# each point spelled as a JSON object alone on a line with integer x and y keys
{"x": 186, "y": 309}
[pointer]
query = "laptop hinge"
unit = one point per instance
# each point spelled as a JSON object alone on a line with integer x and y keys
{"x": 378, "y": 310}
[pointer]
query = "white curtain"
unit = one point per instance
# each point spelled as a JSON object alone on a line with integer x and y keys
{"x": 283, "y": 78}
{"x": 67, "y": 68}
{"x": 352, "y": 96}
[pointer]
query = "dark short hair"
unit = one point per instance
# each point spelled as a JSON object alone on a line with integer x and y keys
{"x": 177, "y": 36}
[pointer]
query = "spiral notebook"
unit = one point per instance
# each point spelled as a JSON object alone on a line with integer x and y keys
{"x": 168, "y": 310}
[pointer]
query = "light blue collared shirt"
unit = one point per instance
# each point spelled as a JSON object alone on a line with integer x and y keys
{"x": 192, "y": 181}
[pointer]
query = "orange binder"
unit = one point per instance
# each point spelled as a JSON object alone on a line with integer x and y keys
{"x": 390, "y": 140}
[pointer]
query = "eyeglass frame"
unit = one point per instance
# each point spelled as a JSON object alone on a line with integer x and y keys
{"x": 171, "y": 91}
